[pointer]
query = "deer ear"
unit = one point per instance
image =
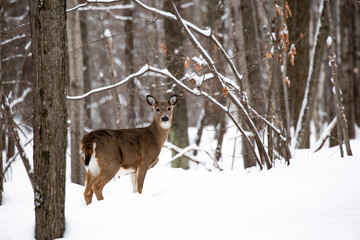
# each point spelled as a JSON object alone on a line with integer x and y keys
{"x": 151, "y": 100}
{"x": 173, "y": 100}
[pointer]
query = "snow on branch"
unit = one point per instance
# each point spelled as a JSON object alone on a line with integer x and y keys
{"x": 205, "y": 33}
{"x": 14, "y": 134}
{"x": 325, "y": 135}
{"x": 101, "y": 89}
{"x": 185, "y": 152}
{"x": 84, "y": 6}
{"x": 234, "y": 99}
{"x": 277, "y": 131}
{"x": 168, "y": 15}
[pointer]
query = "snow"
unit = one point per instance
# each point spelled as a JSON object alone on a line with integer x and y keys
{"x": 329, "y": 41}
{"x": 316, "y": 197}
{"x": 107, "y": 34}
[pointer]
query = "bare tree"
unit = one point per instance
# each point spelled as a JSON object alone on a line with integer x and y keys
{"x": 13, "y": 134}
{"x": 175, "y": 59}
{"x": 307, "y": 107}
{"x": 76, "y": 87}
{"x": 252, "y": 41}
{"x": 49, "y": 55}
{"x": 129, "y": 61}
{"x": 343, "y": 130}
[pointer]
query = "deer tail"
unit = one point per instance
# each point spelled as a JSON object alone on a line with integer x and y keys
{"x": 87, "y": 147}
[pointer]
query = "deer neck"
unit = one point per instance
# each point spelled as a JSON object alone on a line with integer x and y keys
{"x": 160, "y": 133}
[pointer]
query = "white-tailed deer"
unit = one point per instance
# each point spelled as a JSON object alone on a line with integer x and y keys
{"x": 106, "y": 152}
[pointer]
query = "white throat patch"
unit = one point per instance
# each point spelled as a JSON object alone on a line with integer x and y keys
{"x": 165, "y": 125}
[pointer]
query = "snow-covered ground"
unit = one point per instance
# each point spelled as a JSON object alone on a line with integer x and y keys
{"x": 316, "y": 197}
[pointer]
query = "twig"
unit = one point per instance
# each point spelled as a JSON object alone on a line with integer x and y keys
{"x": 183, "y": 152}
{"x": 14, "y": 134}
{"x": 205, "y": 33}
{"x": 231, "y": 95}
{"x": 14, "y": 158}
{"x": 324, "y": 136}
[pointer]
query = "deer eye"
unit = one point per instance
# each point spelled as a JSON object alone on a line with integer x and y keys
{"x": 169, "y": 109}
{"x": 157, "y": 109}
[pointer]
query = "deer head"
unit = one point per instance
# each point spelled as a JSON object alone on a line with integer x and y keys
{"x": 162, "y": 110}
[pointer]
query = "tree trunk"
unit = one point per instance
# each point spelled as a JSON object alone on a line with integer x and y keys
{"x": 347, "y": 67}
{"x": 356, "y": 70}
{"x": 343, "y": 131}
{"x": 86, "y": 67}
{"x": 76, "y": 87}
{"x": 175, "y": 59}
{"x": 2, "y": 137}
{"x": 308, "y": 103}
{"x": 298, "y": 25}
{"x": 2, "y": 115}
{"x": 129, "y": 63}
{"x": 252, "y": 39}
{"x": 50, "y": 62}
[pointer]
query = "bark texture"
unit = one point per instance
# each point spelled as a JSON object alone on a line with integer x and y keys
{"x": 49, "y": 55}
{"x": 175, "y": 62}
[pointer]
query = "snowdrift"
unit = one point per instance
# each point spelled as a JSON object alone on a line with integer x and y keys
{"x": 316, "y": 197}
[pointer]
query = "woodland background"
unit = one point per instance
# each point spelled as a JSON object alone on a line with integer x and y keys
{"x": 270, "y": 69}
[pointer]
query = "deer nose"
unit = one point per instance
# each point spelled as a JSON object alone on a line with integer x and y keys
{"x": 165, "y": 118}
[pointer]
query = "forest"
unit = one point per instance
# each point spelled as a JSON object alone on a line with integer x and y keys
{"x": 256, "y": 81}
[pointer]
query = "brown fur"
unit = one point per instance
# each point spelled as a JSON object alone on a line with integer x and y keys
{"x": 136, "y": 148}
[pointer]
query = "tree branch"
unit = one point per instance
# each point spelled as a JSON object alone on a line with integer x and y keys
{"x": 143, "y": 70}
{"x": 231, "y": 95}
{"x": 183, "y": 152}
{"x": 325, "y": 135}
{"x": 208, "y": 33}
{"x": 14, "y": 134}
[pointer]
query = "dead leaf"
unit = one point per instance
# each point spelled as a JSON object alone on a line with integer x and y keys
{"x": 187, "y": 62}
{"x": 301, "y": 35}
{"x": 288, "y": 11}
{"x": 287, "y": 81}
{"x": 279, "y": 10}
{"x": 198, "y": 67}
{"x": 269, "y": 55}
{"x": 163, "y": 47}
{"x": 292, "y": 60}
{"x": 225, "y": 91}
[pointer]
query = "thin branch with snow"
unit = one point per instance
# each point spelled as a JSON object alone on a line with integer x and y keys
{"x": 14, "y": 134}
{"x": 205, "y": 33}
{"x": 325, "y": 135}
{"x": 185, "y": 152}
{"x": 231, "y": 95}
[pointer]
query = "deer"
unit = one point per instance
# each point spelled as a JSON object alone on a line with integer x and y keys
{"x": 106, "y": 153}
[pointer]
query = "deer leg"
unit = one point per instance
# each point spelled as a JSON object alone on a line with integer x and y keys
{"x": 88, "y": 193}
{"x": 99, "y": 184}
{"x": 140, "y": 175}
{"x": 134, "y": 182}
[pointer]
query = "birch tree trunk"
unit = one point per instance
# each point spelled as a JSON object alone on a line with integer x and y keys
{"x": 50, "y": 76}
{"x": 76, "y": 108}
